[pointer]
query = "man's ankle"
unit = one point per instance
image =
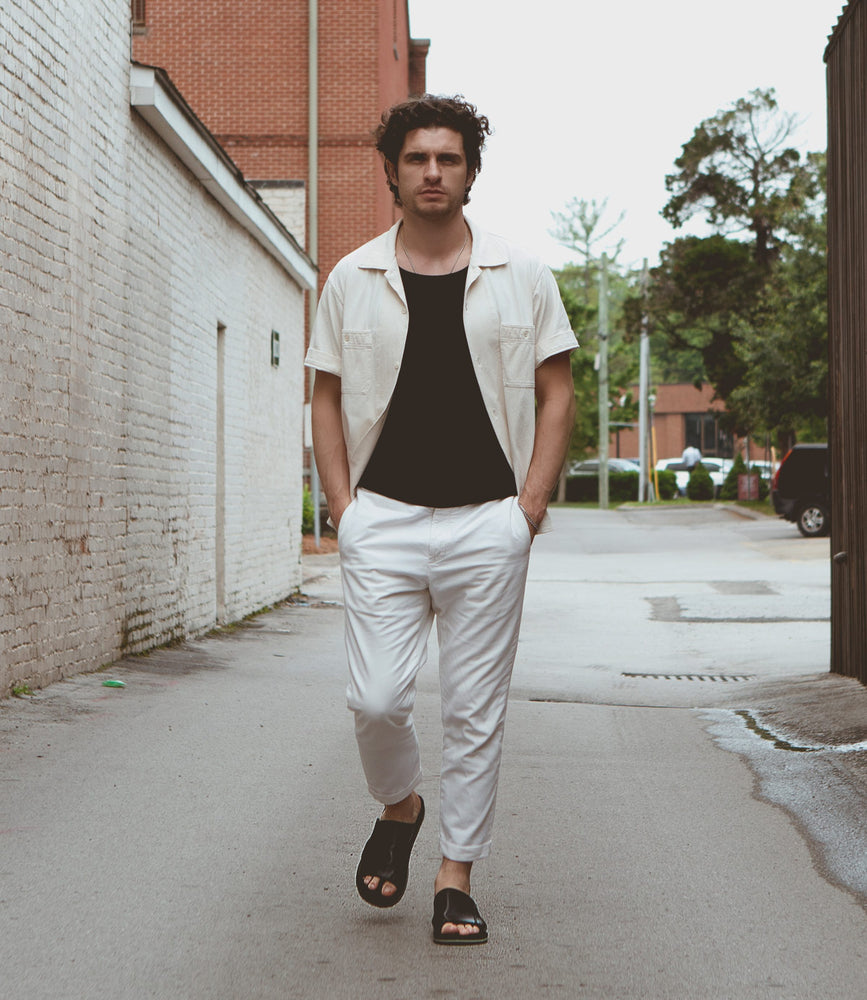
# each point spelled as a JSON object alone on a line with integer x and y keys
{"x": 454, "y": 875}
{"x": 405, "y": 811}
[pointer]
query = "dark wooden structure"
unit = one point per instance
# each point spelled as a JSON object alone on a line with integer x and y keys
{"x": 846, "y": 60}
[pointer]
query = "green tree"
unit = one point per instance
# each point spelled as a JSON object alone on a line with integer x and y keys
{"x": 742, "y": 173}
{"x": 577, "y": 227}
{"x": 699, "y": 293}
{"x": 746, "y": 315}
{"x": 586, "y": 429}
{"x": 783, "y": 346}
{"x": 581, "y": 228}
{"x": 622, "y": 356}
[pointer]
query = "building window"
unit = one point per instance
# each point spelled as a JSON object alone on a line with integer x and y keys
{"x": 703, "y": 431}
{"x": 138, "y": 13}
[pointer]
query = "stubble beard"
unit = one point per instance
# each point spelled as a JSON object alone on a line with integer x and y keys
{"x": 434, "y": 211}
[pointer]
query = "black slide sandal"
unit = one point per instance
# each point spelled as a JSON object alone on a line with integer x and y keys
{"x": 451, "y": 906}
{"x": 386, "y": 857}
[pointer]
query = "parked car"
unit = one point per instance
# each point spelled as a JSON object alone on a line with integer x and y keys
{"x": 717, "y": 467}
{"x": 761, "y": 465}
{"x": 590, "y": 466}
{"x": 801, "y": 490}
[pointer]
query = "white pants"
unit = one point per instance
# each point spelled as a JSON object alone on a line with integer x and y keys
{"x": 403, "y": 565}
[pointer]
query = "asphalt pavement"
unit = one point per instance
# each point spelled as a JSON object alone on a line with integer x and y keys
{"x": 681, "y": 810}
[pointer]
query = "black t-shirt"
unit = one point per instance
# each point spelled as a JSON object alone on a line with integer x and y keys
{"x": 438, "y": 447}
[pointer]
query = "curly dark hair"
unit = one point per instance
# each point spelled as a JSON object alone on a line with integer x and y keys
{"x": 430, "y": 111}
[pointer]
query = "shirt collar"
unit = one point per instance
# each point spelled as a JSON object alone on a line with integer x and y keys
{"x": 488, "y": 250}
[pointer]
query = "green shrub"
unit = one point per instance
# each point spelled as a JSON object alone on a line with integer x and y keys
{"x": 700, "y": 485}
{"x": 667, "y": 484}
{"x": 764, "y": 485}
{"x": 582, "y": 489}
{"x": 622, "y": 487}
{"x": 729, "y": 489}
{"x": 307, "y": 512}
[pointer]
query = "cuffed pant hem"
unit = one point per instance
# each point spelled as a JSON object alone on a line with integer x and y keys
{"x": 456, "y": 852}
{"x": 391, "y": 798}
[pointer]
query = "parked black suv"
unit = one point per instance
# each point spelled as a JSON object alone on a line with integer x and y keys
{"x": 801, "y": 489}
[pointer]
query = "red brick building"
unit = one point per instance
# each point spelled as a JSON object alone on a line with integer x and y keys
{"x": 244, "y": 70}
{"x": 684, "y": 414}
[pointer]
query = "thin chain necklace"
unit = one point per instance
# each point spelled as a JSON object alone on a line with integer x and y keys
{"x": 451, "y": 271}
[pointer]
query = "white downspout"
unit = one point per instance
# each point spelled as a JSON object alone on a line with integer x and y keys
{"x": 313, "y": 212}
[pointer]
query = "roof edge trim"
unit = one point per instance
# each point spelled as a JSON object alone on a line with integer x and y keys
{"x": 154, "y": 97}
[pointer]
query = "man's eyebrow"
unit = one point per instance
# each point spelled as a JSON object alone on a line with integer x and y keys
{"x": 446, "y": 155}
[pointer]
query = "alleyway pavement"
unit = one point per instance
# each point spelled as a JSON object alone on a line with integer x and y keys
{"x": 681, "y": 812}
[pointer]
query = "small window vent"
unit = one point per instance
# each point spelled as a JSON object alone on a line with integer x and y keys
{"x": 138, "y": 13}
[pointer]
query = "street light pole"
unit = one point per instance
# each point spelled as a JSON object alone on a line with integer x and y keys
{"x": 603, "y": 383}
{"x": 643, "y": 386}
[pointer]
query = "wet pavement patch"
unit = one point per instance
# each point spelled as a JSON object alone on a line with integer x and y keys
{"x": 753, "y": 725}
{"x": 781, "y": 743}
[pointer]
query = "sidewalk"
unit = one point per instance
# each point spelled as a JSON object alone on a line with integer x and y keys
{"x": 194, "y": 835}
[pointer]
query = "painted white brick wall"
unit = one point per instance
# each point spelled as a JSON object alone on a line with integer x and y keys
{"x": 116, "y": 268}
{"x": 289, "y": 204}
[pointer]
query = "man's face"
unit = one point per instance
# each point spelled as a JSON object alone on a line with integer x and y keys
{"x": 431, "y": 176}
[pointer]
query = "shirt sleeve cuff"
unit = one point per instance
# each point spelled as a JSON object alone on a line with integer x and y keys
{"x": 557, "y": 344}
{"x": 322, "y": 362}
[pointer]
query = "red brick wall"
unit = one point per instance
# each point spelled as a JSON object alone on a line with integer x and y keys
{"x": 243, "y": 70}
{"x": 672, "y": 402}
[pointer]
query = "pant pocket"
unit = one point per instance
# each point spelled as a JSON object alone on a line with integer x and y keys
{"x": 346, "y": 520}
{"x": 519, "y": 524}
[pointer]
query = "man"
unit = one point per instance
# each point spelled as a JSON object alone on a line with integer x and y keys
{"x": 442, "y": 409}
{"x": 691, "y": 457}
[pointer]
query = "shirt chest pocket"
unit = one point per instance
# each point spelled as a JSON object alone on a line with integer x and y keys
{"x": 518, "y": 356}
{"x": 357, "y": 369}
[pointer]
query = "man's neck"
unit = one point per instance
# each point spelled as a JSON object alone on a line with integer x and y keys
{"x": 433, "y": 246}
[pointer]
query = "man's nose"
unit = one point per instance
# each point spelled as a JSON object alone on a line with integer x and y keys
{"x": 432, "y": 168}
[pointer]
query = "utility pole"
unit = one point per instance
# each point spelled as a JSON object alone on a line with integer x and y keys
{"x": 603, "y": 384}
{"x": 643, "y": 387}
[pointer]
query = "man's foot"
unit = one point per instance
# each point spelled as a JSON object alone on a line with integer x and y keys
{"x": 387, "y": 852}
{"x": 455, "y": 875}
{"x": 456, "y": 909}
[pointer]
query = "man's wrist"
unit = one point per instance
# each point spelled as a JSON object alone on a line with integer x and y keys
{"x": 534, "y": 524}
{"x": 337, "y": 506}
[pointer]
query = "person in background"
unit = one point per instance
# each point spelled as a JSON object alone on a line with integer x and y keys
{"x": 691, "y": 457}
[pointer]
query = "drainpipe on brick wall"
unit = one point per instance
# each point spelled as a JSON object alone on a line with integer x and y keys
{"x": 313, "y": 211}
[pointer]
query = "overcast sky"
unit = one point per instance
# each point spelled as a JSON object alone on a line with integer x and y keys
{"x": 595, "y": 98}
